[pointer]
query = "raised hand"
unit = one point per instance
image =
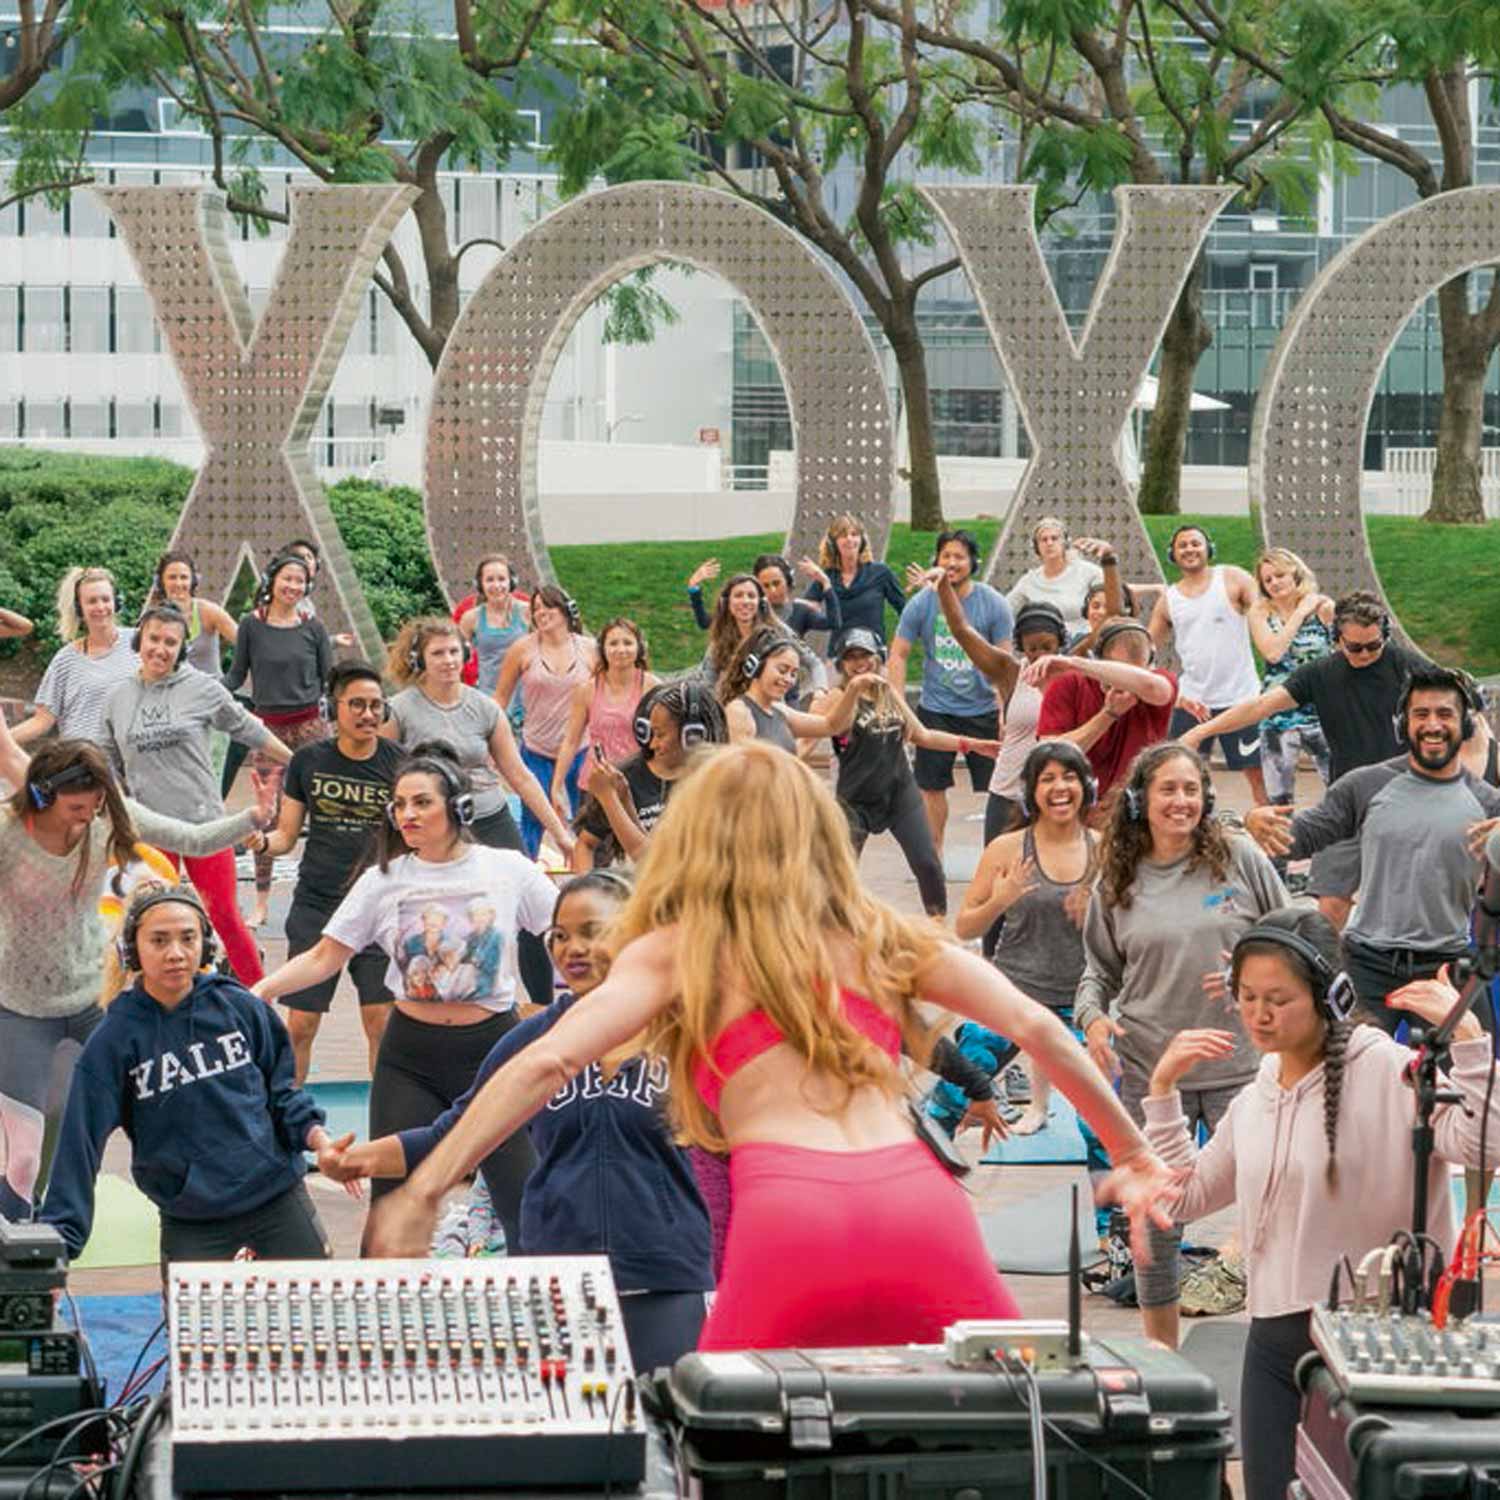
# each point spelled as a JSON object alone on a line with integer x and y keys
{"x": 267, "y": 788}
{"x": 918, "y": 577}
{"x": 707, "y": 569}
{"x": 1185, "y": 1051}
{"x": 1036, "y": 673}
{"x": 1146, "y": 1189}
{"x": 1432, "y": 999}
{"x": 1270, "y": 827}
{"x": 808, "y": 568}
{"x": 1018, "y": 881}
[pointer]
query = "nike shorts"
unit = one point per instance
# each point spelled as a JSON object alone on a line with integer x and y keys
{"x": 1241, "y": 747}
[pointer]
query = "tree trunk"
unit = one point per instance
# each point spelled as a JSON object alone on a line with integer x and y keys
{"x": 1456, "y": 495}
{"x": 922, "y": 465}
{"x": 1187, "y": 336}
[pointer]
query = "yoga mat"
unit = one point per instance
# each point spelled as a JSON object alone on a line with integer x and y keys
{"x": 1217, "y": 1347}
{"x": 1031, "y": 1237}
{"x": 126, "y": 1231}
{"x": 116, "y": 1328}
{"x": 347, "y": 1105}
{"x": 1057, "y": 1143}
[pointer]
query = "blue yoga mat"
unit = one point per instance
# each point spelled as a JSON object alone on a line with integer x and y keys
{"x": 117, "y": 1329}
{"x": 1057, "y": 1143}
{"x": 347, "y": 1106}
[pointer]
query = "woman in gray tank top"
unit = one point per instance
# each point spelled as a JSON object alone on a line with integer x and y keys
{"x": 210, "y": 628}
{"x": 754, "y": 690}
{"x": 1037, "y": 878}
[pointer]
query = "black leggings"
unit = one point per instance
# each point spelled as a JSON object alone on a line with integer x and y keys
{"x": 285, "y": 1228}
{"x": 1270, "y": 1403}
{"x": 661, "y": 1327}
{"x": 420, "y": 1071}
{"x": 497, "y": 830}
{"x": 905, "y": 819}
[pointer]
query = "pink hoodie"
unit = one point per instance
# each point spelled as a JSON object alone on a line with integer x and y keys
{"x": 1269, "y": 1152}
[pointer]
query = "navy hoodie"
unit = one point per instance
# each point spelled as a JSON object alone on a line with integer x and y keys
{"x": 609, "y": 1179}
{"x": 205, "y": 1093}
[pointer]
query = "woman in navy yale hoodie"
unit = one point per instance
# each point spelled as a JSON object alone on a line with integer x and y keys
{"x": 198, "y": 1073}
{"x": 609, "y": 1178}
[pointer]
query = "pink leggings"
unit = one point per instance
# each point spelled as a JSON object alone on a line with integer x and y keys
{"x": 831, "y": 1249}
{"x": 213, "y": 877}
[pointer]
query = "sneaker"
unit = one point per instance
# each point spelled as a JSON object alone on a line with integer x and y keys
{"x": 1017, "y": 1084}
{"x": 1214, "y": 1289}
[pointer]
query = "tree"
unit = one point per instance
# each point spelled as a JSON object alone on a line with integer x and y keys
{"x": 1340, "y": 59}
{"x": 36, "y": 42}
{"x": 367, "y": 96}
{"x": 776, "y": 112}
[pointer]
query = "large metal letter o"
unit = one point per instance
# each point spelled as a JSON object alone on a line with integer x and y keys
{"x": 490, "y": 386}
{"x": 1307, "y": 439}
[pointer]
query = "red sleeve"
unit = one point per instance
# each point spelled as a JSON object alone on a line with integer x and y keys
{"x": 1161, "y": 716}
{"x": 1059, "y": 712}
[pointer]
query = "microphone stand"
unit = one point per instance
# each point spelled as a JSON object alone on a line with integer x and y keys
{"x": 1472, "y": 973}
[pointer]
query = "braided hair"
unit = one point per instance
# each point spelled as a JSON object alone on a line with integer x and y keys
{"x": 1313, "y": 928}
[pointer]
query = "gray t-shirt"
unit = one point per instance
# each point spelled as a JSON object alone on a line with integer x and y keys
{"x": 1417, "y": 877}
{"x": 76, "y": 686}
{"x": 465, "y": 728}
{"x": 1145, "y": 963}
{"x": 157, "y": 735}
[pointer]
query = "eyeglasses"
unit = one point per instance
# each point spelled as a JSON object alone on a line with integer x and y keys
{"x": 359, "y": 706}
{"x": 1361, "y": 648}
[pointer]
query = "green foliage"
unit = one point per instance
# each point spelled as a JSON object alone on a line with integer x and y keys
{"x": 636, "y": 311}
{"x": 385, "y": 532}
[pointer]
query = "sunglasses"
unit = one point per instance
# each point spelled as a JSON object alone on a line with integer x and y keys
{"x": 1361, "y": 648}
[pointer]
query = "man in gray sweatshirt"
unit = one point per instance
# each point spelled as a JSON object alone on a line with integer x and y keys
{"x": 1420, "y": 820}
{"x": 156, "y": 726}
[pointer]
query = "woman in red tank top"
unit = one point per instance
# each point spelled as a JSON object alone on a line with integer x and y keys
{"x": 778, "y": 990}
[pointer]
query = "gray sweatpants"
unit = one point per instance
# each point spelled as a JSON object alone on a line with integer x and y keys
{"x": 1156, "y": 1284}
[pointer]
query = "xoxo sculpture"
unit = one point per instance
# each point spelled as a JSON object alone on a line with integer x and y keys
{"x": 255, "y": 388}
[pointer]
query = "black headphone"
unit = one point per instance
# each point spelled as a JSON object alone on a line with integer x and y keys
{"x": 1050, "y": 521}
{"x": 1043, "y": 754}
{"x": 417, "y": 650}
{"x": 1208, "y": 541}
{"x": 1134, "y": 795}
{"x": 166, "y": 561}
{"x": 1115, "y": 629}
{"x": 515, "y": 578}
{"x": 165, "y": 614}
{"x": 460, "y": 799}
{"x": 968, "y": 539}
{"x": 44, "y": 790}
{"x": 100, "y": 575}
{"x": 1039, "y": 615}
{"x": 1334, "y": 994}
{"x": 126, "y": 944}
{"x": 754, "y": 661}
{"x": 684, "y": 701}
{"x": 268, "y": 578}
{"x": 349, "y": 671}
{"x": 1458, "y": 683}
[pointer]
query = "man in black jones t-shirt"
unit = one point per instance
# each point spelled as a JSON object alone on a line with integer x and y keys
{"x": 338, "y": 790}
{"x": 1355, "y": 690}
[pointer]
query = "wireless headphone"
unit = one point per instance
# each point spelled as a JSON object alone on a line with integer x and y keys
{"x": 416, "y": 652}
{"x": 620, "y": 622}
{"x": 44, "y": 790}
{"x": 163, "y": 614}
{"x": 490, "y": 562}
{"x": 1039, "y": 615}
{"x": 1457, "y": 683}
{"x": 1062, "y": 753}
{"x": 684, "y": 701}
{"x": 1208, "y": 541}
{"x": 1117, "y": 628}
{"x": 764, "y": 645}
{"x": 858, "y": 638}
{"x": 1134, "y": 795}
{"x": 126, "y": 945}
{"x": 1051, "y": 521}
{"x": 1334, "y": 994}
{"x": 268, "y": 578}
{"x": 96, "y": 575}
{"x": 459, "y": 798}
{"x": 344, "y": 672}
{"x": 967, "y": 538}
{"x": 167, "y": 560}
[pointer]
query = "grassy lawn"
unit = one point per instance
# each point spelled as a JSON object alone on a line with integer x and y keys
{"x": 1443, "y": 580}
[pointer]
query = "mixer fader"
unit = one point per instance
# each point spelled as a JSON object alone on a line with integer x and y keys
{"x": 349, "y": 1375}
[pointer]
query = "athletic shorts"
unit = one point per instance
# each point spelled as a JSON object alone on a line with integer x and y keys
{"x": 1241, "y": 747}
{"x": 934, "y": 768}
{"x": 1335, "y": 870}
{"x": 304, "y": 926}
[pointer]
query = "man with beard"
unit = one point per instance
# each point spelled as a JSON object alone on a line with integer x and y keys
{"x": 1421, "y": 821}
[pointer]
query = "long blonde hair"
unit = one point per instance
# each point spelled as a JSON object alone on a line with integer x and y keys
{"x": 753, "y": 859}
{"x": 1282, "y": 557}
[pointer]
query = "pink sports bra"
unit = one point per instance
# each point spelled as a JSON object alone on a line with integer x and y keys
{"x": 747, "y": 1036}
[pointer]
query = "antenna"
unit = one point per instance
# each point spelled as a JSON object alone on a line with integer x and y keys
{"x": 1075, "y": 1288}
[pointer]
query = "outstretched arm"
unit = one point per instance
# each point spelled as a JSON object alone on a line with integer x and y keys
{"x": 13, "y": 759}
{"x": 1273, "y": 701}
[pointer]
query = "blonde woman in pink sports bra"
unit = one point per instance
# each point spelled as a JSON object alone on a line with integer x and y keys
{"x": 778, "y": 990}
{"x": 603, "y": 708}
{"x": 548, "y": 665}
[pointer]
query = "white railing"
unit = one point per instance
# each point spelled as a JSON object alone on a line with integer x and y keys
{"x": 1410, "y": 471}
{"x": 746, "y": 476}
{"x": 344, "y": 456}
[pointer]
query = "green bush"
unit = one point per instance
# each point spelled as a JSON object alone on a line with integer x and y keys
{"x": 384, "y": 531}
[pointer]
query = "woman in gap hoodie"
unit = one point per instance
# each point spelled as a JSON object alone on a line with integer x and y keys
{"x": 1316, "y": 1150}
{"x": 198, "y": 1073}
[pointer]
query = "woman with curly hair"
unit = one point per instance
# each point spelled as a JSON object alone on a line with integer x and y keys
{"x": 1320, "y": 1083}
{"x": 1176, "y": 891}
{"x": 757, "y": 685}
{"x": 778, "y": 990}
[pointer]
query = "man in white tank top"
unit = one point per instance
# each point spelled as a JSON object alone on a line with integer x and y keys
{"x": 1205, "y": 612}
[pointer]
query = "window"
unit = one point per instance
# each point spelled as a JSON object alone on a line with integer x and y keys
{"x": 88, "y": 320}
{"x": 135, "y": 324}
{"x": 10, "y": 319}
{"x": 42, "y": 326}
{"x": 88, "y": 419}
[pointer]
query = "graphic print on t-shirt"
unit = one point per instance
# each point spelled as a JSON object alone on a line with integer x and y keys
{"x": 448, "y": 946}
{"x": 951, "y": 658}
